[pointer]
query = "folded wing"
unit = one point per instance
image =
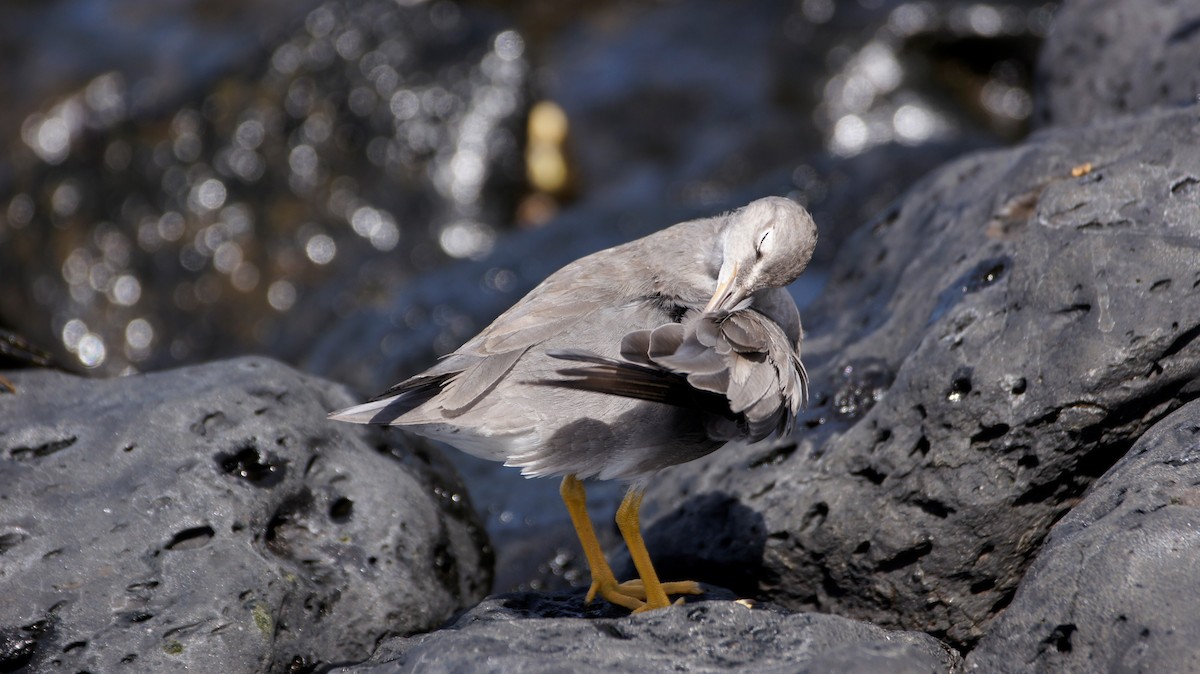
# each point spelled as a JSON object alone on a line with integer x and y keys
{"x": 740, "y": 365}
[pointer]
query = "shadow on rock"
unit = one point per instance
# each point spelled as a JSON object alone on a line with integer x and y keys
{"x": 728, "y": 555}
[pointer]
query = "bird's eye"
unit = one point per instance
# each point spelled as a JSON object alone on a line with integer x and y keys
{"x": 762, "y": 244}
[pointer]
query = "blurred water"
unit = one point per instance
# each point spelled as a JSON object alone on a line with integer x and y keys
{"x": 372, "y": 142}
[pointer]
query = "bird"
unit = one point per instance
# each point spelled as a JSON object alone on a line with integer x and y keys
{"x": 625, "y": 362}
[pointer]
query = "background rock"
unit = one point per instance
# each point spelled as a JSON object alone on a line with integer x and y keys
{"x": 1115, "y": 586}
{"x": 1106, "y": 58}
{"x": 986, "y": 349}
{"x": 540, "y": 633}
{"x": 211, "y": 518}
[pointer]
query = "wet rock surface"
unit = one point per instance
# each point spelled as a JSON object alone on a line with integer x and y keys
{"x": 1114, "y": 587}
{"x": 984, "y": 351}
{"x": 1107, "y": 58}
{"x": 556, "y": 633}
{"x": 211, "y": 518}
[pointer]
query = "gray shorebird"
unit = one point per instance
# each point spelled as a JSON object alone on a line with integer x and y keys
{"x": 627, "y": 361}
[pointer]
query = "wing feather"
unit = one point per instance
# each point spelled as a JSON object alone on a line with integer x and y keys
{"x": 745, "y": 359}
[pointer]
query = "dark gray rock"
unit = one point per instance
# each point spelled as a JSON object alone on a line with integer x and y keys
{"x": 1106, "y": 58}
{"x": 540, "y": 633}
{"x": 1116, "y": 588}
{"x": 985, "y": 350}
{"x": 212, "y": 519}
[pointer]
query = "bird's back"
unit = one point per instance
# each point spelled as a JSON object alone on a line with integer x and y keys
{"x": 503, "y": 394}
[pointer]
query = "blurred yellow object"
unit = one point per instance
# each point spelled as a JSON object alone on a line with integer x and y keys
{"x": 548, "y": 123}
{"x": 546, "y": 163}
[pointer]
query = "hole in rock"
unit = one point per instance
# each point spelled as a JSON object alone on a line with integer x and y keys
{"x": 922, "y": 446}
{"x": 190, "y": 539}
{"x": 135, "y": 617}
{"x": 1182, "y": 341}
{"x": 259, "y": 468}
{"x": 989, "y": 433}
{"x": 341, "y": 509}
{"x": 863, "y": 384}
{"x": 870, "y": 474}
{"x": 1060, "y": 638}
{"x": 933, "y": 507}
{"x": 12, "y": 539}
{"x": 42, "y": 450}
{"x": 287, "y": 523}
{"x": 983, "y": 585}
{"x": 905, "y": 557}
{"x": 984, "y": 274}
{"x": 960, "y": 385}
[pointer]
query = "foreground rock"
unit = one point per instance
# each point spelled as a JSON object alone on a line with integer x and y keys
{"x": 1116, "y": 586}
{"x": 537, "y": 633}
{"x": 986, "y": 350}
{"x": 212, "y": 519}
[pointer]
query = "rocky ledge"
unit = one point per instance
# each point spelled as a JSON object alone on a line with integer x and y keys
{"x": 558, "y": 633}
{"x": 210, "y": 518}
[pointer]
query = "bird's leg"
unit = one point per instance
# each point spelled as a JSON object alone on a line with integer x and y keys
{"x": 604, "y": 583}
{"x": 654, "y": 592}
{"x": 8, "y": 385}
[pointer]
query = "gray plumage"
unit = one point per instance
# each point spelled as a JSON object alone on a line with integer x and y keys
{"x": 632, "y": 359}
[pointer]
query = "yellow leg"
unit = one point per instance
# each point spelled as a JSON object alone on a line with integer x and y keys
{"x": 654, "y": 592}
{"x": 604, "y": 583}
{"x": 8, "y": 385}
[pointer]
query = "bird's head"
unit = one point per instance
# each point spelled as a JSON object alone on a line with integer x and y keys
{"x": 766, "y": 244}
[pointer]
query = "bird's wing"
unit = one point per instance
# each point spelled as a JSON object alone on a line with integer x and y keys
{"x": 472, "y": 371}
{"x": 397, "y": 400}
{"x": 617, "y": 377}
{"x": 744, "y": 359}
{"x": 555, "y": 305}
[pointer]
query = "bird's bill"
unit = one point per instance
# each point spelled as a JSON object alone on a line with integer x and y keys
{"x": 723, "y": 297}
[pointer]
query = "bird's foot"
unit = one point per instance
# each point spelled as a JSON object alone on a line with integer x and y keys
{"x": 632, "y": 593}
{"x": 610, "y": 590}
{"x": 636, "y": 588}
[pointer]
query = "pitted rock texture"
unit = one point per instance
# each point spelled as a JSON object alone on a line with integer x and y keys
{"x": 1115, "y": 588}
{"x": 212, "y": 519}
{"x": 1107, "y": 58}
{"x": 534, "y": 633}
{"x": 986, "y": 349}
